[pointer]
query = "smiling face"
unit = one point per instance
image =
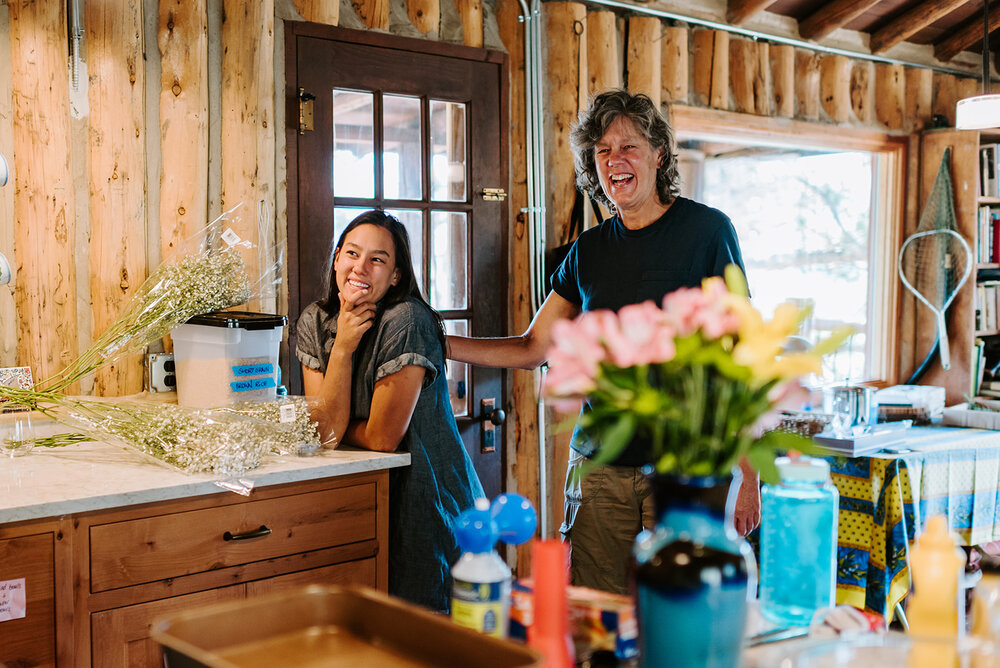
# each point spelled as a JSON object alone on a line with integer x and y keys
{"x": 366, "y": 264}
{"x": 626, "y": 168}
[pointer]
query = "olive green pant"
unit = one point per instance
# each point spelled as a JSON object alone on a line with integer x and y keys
{"x": 604, "y": 512}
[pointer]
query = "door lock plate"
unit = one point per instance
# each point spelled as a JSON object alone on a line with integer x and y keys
{"x": 489, "y": 430}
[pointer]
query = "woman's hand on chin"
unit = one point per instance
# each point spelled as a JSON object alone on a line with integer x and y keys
{"x": 355, "y": 318}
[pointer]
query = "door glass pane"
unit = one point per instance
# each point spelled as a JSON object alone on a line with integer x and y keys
{"x": 448, "y": 165}
{"x": 401, "y": 155}
{"x": 353, "y": 144}
{"x": 458, "y": 372}
{"x": 412, "y": 221}
{"x": 449, "y": 260}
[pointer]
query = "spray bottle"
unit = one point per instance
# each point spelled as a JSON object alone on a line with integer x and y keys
{"x": 481, "y": 579}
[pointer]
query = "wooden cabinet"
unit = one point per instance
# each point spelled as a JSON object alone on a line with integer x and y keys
{"x": 27, "y": 562}
{"x": 96, "y": 581}
{"x": 961, "y": 319}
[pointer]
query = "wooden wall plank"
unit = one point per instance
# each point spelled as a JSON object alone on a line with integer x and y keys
{"x": 742, "y": 64}
{"x": 317, "y": 11}
{"x": 44, "y": 205}
{"x": 604, "y": 69}
{"x": 471, "y": 12}
{"x": 890, "y": 103}
{"x": 835, "y": 87}
{"x": 8, "y": 308}
{"x": 373, "y": 13}
{"x": 247, "y": 127}
{"x": 644, "y": 59}
{"x": 783, "y": 79}
{"x": 675, "y": 64}
{"x": 425, "y": 15}
{"x": 945, "y": 96}
{"x": 710, "y": 70}
{"x": 861, "y": 91}
{"x": 562, "y": 66}
{"x": 762, "y": 79}
{"x": 182, "y": 37}
{"x": 117, "y": 82}
{"x": 523, "y": 471}
{"x": 807, "y": 85}
{"x": 919, "y": 97}
{"x": 967, "y": 87}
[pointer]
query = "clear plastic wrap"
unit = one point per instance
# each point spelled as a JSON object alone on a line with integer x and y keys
{"x": 205, "y": 273}
{"x": 291, "y": 430}
{"x": 221, "y": 443}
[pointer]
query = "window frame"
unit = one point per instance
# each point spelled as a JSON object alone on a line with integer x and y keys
{"x": 889, "y": 153}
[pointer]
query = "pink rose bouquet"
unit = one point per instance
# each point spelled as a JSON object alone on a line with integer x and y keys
{"x": 703, "y": 378}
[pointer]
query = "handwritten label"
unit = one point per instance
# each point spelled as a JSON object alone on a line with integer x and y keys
{"x": 286, "y": 413}
{"x": 253, "y": 370}
{"x": 13, "y": 599}
{"x": 252, "y": 384}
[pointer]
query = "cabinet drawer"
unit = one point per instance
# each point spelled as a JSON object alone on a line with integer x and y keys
{"x": 154, "y": 548}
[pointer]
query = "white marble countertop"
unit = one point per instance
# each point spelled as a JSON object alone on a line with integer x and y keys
{"x": 53, "y": 482}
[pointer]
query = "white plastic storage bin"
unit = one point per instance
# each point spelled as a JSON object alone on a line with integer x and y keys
{"x": 227, "y": 356}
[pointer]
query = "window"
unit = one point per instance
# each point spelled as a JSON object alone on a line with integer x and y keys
{"x": 817, "y": 225}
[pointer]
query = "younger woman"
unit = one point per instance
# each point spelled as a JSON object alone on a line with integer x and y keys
{"x": 373, "y": 351}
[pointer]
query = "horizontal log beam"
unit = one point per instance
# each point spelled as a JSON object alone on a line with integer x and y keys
{"x": 740, "y": 11}
{"x": 969, "y": 33}
{"x": 831, "y": 16}
{"x": 910, "y": 22}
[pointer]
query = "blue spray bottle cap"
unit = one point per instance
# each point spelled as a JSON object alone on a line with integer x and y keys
{"x": 510, "y": 518}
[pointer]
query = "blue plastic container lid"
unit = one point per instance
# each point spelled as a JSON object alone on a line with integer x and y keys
{"x": 242, "y": 319}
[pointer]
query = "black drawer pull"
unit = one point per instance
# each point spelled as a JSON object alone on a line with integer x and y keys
{"x": 256, "y": 533}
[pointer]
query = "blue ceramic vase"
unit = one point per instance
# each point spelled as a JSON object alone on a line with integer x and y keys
{"x": 693, "y": 576}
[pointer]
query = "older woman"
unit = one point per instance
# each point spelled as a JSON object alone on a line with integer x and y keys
{"x": 655, "y": 243}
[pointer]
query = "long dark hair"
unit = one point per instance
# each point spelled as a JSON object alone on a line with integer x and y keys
{"x": 407, "y": 286}
{"x": 594, "y": 122}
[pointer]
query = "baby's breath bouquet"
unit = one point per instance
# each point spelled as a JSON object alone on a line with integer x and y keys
{"x": 192, "y": 440}
{"x": 702, "y": 378}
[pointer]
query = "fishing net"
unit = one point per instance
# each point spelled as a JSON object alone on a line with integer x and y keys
{"x": 935, "y": 261}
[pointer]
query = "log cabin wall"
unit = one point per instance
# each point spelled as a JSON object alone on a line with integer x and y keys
{"x": 178, "y": 113}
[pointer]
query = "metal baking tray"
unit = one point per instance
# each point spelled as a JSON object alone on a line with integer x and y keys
{"x": 328, "y": 626}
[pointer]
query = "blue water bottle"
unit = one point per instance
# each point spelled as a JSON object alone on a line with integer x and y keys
{"x": 798, "y": 542}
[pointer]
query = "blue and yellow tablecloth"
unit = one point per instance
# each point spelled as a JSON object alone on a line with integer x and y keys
{"x": 885, "y": 500}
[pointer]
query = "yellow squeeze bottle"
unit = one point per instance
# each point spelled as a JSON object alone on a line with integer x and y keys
{"x": 935, "y": 620}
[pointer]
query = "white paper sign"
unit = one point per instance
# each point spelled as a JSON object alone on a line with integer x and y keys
{"x": 13, "y": 600}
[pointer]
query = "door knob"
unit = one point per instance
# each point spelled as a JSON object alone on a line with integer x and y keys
{"x": 497, "y": 416}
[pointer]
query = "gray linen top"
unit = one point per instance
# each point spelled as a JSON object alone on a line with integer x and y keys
{"x": 426, "y": 497}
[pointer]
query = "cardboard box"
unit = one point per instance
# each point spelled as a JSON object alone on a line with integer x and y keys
{"x": 598, "y": 620}
{"x": 328, "y": 626}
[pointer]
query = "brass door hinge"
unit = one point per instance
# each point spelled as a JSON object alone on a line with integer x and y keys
{"x": 494, "y": 194}
{"x": 305, "y": 110}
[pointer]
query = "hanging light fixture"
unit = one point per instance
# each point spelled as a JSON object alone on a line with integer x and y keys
{"x": 981, "y": 111}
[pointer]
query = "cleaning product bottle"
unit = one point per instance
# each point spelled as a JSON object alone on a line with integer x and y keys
{"x": 936, "y": 566}
{"x": 936, "y": 619}
{"x": 480, "y": 578}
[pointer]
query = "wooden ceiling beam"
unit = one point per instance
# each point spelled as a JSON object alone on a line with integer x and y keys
{"x": 831, "y": 16}
{"x": 739, "y": 11}
{"x": 910, "y": 22}
{"x": 969, "y": 33}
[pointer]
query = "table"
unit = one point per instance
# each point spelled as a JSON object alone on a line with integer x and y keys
{"x": 886, "y": 498}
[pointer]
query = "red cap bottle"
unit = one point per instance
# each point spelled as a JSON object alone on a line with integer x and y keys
{"x": 549, "y": 632}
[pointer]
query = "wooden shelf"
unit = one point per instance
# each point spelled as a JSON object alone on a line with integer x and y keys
{"x": 989, "y": 200}
{"x": 988, "y": 265}
{"x": 987, "y": 332}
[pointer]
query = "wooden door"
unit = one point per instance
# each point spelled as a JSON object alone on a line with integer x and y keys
{"x": 27, "y": 601}
{"x": 414, "y": 128}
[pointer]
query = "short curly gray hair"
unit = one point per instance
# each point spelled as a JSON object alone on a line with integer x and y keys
{"x": 594, "y": 122}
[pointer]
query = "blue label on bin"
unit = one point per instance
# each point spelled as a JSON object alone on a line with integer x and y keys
{"x": 252, "y": 384}
{"x": 254, "y": 370}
